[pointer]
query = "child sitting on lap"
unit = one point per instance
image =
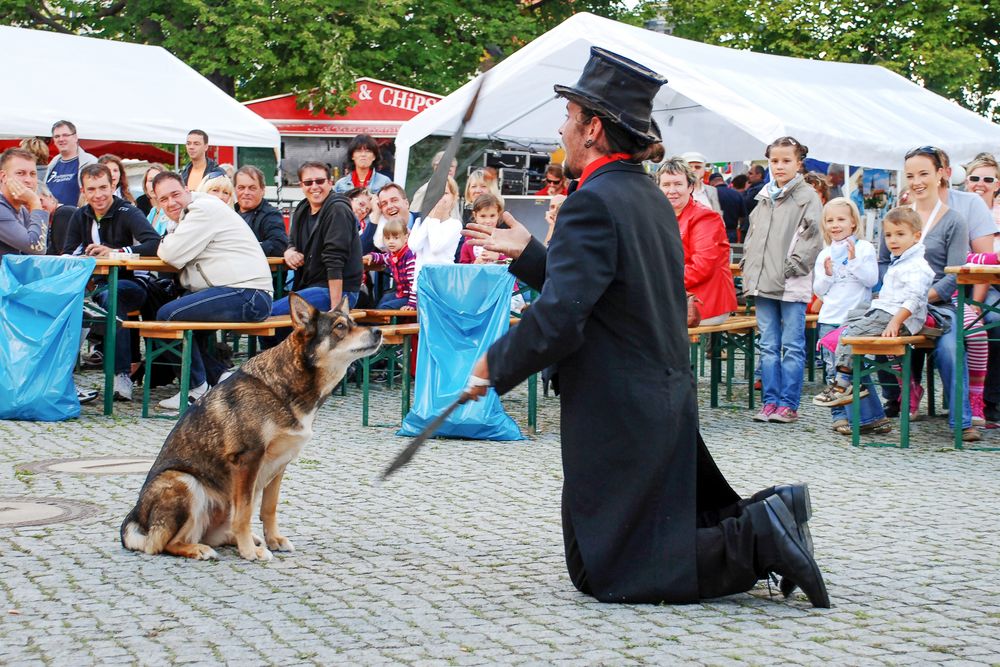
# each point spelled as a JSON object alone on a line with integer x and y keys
{"x": 899, "y": 310}
{"x": 400, "y": 260}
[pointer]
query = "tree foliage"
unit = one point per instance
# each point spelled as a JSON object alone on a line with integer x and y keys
{"x": 316, "y": 48}
{"x": 952, "y": 47}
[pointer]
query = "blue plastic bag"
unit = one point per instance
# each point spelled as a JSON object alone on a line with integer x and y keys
{"x": 463, "y": 309}
{"x": 41, "y": 311}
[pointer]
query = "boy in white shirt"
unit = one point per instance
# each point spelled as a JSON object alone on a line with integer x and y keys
{"x": 899, "y": 310}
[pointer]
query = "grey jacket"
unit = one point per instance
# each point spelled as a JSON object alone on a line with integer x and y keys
{"x": 22, "y": 231}
{"x": 782, "y": 244}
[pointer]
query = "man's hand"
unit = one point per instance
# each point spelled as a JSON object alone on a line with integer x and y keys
{"x": 480, "y": 373}
{"x": 294, "y": 259}
{"x": 95, "y": 250}
{"x": 891, "y": 329}
{"x": 24, "y": 195}
{"x": 510, "y": 242}
{"x": 406, "y": 306}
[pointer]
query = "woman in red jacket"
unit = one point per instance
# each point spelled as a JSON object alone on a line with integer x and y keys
{"x": 706, "y": 248}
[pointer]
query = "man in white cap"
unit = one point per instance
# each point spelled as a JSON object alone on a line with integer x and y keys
{"x": 704, "y": 194}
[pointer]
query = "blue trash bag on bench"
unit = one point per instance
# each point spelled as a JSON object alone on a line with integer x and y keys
{"x": 463, "y": 309}
{"x": 41, "y": 311}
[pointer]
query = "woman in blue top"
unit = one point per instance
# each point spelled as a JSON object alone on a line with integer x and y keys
{"x": 362, "y": 156}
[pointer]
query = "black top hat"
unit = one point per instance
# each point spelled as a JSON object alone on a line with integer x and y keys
{"x": 620, "y": 89}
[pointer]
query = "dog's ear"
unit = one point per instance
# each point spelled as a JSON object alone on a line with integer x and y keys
{"x": 345, "y": 306}
{"x": 303, "y": 314}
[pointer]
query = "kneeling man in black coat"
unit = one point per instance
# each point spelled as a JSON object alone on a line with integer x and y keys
{"x": 647, "y": 516}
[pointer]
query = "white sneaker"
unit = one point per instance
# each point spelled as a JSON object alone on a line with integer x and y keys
{"x": 224, "y": 376}
{"x": 123, "y": 387}
{"x": 174, "y": 402}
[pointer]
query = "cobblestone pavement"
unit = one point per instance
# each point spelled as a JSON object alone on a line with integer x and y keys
{"x": 457, "y": 560}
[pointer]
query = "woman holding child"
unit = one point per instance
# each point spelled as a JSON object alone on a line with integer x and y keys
{"x": 706, "y": 247}
{"x": 946, "y": 241}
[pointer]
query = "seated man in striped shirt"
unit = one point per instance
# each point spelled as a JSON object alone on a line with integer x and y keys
{"x": 400, "y": 260}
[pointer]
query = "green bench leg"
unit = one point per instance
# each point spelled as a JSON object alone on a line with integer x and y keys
{"x": 533, "y": 402}
{"x": 405, "y": 400}
{"x": 110, "y": 339}
{"x": 185, "y": 371}
{"x": 365, "y": 378}
{"x": 715, "y": 369}
{"x": 146, "y": 378}
{"x": 856, "y": 402}
{"x": 904, "y": 402}
{"x": 811, "y": 353}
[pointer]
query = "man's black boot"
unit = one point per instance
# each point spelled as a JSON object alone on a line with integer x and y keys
{"x": 781, "y": 551}
{"x": 796, "y": 499}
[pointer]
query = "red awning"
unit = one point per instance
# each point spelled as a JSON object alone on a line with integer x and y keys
{"x": 381, "y": 108}
{"x": 127, "y": 150}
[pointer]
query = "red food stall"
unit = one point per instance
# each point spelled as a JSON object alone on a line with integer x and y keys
{"x": 305, "y": 135}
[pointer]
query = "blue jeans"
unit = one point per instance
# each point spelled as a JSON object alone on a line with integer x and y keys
{"x": 871, "y": 406}
{"x": 131, "y": 296}
{"x": 215, "y": 304}
{"x": 391, "y": 302}
{"x": 317, "y": 297}
{"x": 782, "y": 327}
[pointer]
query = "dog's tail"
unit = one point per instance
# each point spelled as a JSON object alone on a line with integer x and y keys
{"x": 132, "y": 535}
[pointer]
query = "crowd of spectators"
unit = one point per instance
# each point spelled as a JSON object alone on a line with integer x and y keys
{"x": 363, "y": 240}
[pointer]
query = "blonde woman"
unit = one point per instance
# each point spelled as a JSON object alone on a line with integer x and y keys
{"x": 221, "y": 187}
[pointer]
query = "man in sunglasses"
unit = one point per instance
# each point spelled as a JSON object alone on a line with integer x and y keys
{"x": 324, "y": 246}
{"x": 971, "y": 207}
{"x": 555, "y": 182}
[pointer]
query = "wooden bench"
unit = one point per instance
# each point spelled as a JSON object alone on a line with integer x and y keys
{"x": 738, "y": 332}
{"x": 177, "y": 337}
{"x": 386, "y": 316}
{"x": 897, "y": 347}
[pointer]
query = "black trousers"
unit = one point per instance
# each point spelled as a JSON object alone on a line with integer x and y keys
{"x": 728, "y": 549}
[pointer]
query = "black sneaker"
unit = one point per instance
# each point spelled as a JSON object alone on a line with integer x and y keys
{"x": 891, "y": 409}
{"x": 991, "y": 412}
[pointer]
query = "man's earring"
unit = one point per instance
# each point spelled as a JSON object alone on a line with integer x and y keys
{"x": 588, "y": 143}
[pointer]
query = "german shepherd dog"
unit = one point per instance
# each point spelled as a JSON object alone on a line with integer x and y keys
{"x": 228, "y": 452}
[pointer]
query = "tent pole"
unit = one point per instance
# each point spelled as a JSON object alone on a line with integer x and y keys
{"x": 177, "y": 157}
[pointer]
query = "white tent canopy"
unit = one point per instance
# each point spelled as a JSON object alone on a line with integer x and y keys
{"x": 724, "y": 103}
{"x": 116, "y": 91}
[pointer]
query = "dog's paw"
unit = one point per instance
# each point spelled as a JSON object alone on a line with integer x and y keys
{"x": 257, "y": 539}
{"x": 204, "y": 552}
{"x": 279, "y": 543}
{"x": 257, "y": 553}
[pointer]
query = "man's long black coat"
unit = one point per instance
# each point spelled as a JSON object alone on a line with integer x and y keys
{"x": 612, "y": 316}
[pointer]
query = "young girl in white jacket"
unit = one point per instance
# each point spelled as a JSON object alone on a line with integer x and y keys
{"x": 435, "y": 238}
{"x": 845, "y": 271}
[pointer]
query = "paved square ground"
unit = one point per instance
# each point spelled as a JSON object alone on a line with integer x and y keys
{"x": 457, "y": 560}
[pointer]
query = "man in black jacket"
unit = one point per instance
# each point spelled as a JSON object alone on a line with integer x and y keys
{"x": 110, "y": 224}
{"x": 265, "y": 221}
{"x": 647, "y": 516}
{"x": 324, "y": 247}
